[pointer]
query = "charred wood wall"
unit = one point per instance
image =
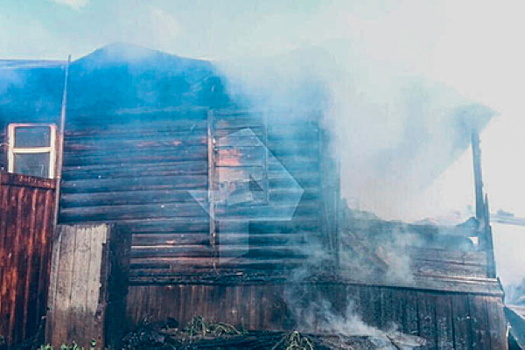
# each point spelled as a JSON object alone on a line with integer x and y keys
{"x": 26, "y": 231}
{"x": 447, "y": 320}
{"x": 153, "y": 173}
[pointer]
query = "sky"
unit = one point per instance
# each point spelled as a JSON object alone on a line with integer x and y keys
{"x": 473, "y": 46}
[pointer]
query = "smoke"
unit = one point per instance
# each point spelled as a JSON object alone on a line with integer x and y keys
{"x": 315, "y": 314}
{"x": 74, "y": 4}
{"x": 394, "y": 133}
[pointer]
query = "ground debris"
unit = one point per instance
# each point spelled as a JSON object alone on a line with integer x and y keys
{"x": 202, "y": 334}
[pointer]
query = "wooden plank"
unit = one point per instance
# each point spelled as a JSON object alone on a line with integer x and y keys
{"x": 171, "y": 251}
{"x": 167, "y": 155}
{"x": 369, "y": 298}
{"x": 497, "y": 323}
{"x": 154, "y": 142}
{"x": 462, "y": 322}
{"x": 76, "y": 308}
{"x": 183, "y": 225}
{"x": 138, "y": 211}
{"x": 390, "y": 319}
{"x": 44, "y": 205}
{"x": 31, "y": 274}
{"x": 446, "y": 269}
{"x": 269, "y": 226}
{"x": 225, "y": 251}
{"x": 54, "y": 294}
{"x": 77, "y": 326}
{"x": 135, "y": 184}
{"x": 256, "y": 212}
{"x": 5, "y": 195}
{"x": 73, "y": 200}
{"x": 480, "y": 322}
{"x": 263, "y": 252}
{"x": 410, "y": 324}
{"x": 444, "y": 322}
{"x": 117, "y": 286}
{"x": 477, "y": 258}
{"x": 263, "y": 239}
{"x": 77, "y": 138}
{"x": 26, "y": 181}
{"x": 125, "y": 125}
{"x": 20, "y": 250}
{"x": 175, "y": 239}
{"x": 63, "y": 276}
{"x": 137, "y": 167}
{"x": 112, "y": 171}
{"x": 47, "y": 238}
{"x": 115, "y": 155}
{"x": 188, "y": 263}
{"x": 427, "y": 319}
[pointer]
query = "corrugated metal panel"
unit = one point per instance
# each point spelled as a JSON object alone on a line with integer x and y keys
{"x": 26, "y": 231}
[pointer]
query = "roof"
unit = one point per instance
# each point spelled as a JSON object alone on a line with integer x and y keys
{"x": 17, "y": 64}
{"x": 117, "y": 76}
{"x": 516, "y": 319}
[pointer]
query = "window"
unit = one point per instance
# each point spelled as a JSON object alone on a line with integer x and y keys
{"x": 32, "y": 149}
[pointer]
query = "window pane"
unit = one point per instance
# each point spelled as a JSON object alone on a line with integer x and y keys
{"x": 32, "y": 136}
{"x": 32, "y": 164}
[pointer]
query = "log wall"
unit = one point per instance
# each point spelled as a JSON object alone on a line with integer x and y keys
{"x": 26, "y": 231}
{"x": 160, "y": 173}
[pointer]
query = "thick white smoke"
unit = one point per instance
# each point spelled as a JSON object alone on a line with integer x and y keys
{"x": 394, "y": 133}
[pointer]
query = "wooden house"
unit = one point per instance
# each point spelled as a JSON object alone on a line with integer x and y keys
{"x": 177, "y": 201}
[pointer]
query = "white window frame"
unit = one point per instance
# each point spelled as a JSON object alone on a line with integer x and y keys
{"x": 51, "y": 149}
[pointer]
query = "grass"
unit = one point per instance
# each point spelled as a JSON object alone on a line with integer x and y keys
{"x": 73, "y": 346}
{"x": 294, "y": 341}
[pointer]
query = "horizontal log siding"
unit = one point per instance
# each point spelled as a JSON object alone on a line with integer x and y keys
{"x": 136, "y": 170}
{"x": 143, "y": 172}
{"x": 26, "y": 231}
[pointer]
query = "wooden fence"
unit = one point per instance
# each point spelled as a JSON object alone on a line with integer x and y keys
{"x": 26, "y": 231}
{"x": 88, "y": 285}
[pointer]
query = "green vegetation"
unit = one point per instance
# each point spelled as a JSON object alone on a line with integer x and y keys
{"x": 200, "y": 334}
{"x": 73, "y": 346}
{"x": 198, "y": 327}
{"x": 294, "y": 341}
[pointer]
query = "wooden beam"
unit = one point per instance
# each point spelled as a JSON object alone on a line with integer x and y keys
{"x": 478, "y": 178}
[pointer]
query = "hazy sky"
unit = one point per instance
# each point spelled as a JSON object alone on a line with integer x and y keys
{"x": 476, "y": 47}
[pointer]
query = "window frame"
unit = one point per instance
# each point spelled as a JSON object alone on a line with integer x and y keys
{"x": 51, "y": 149}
